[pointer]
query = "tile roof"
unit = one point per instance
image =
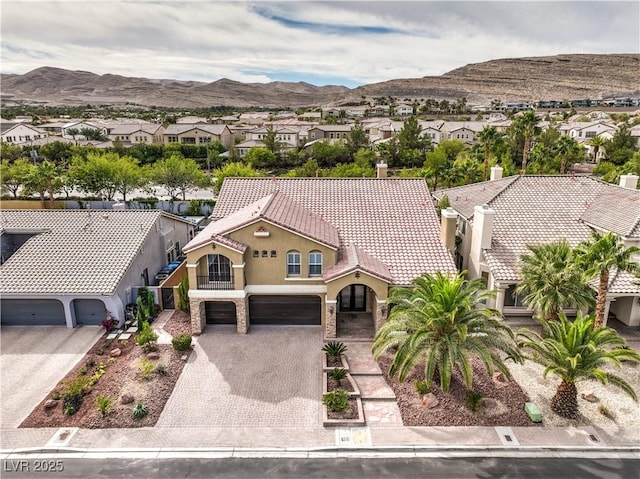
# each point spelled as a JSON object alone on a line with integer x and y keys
{"x": 180, "y": 128}
{"x": 393, "y": 219}
{"x": 351, "y": 258}
{"x": 78, "y": 252}
{"x": 617, "y": 209}
{"x": 278, "y": 209}
{"x": 464, "y": 198}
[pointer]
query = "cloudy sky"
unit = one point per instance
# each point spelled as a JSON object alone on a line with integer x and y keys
{"x": 329, "y": 42}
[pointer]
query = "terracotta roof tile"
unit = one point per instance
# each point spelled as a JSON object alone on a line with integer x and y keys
{"x": 351, "y": 258}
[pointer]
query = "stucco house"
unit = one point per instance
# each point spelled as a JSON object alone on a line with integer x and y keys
{"x": 197, "y": 134}
{"x": 490, "y": 224}
{"x": 311, "y": 251}
{"x": 19, "y": 133}
{"x": 134, "y": 133}
{"x": 66, "y": 267}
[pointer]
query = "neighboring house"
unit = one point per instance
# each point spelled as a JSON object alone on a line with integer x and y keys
{"x": 66, "y": 267}
{"x": 313, "y": 251}
{"x": 286, "y": 136}
{"x": 329, "y": 132}
{"x": 19, "y": 133}
{"x": 586, "y": 131}
{"x": 134, "y": 133}
{"x": 72, "y": 130}
{"x": 197, "y": 134}
{"x": 496, "y": 220}
{"x": 403, "y": 109}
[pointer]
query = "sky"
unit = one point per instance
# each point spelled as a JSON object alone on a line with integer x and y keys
{"x": 323, "y": 43}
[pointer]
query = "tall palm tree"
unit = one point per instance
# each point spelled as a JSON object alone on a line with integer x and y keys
{"x": 599, "y": 256}
{"x": 576, "y": 351}
{"x": 596, "y": 142}
{"x": 489, "y": 137}
{"x": 527, "y": 126}
{"x": 551, "y": 281}
{"x": 438, "y": 322}
{"x": 564, "y": 147}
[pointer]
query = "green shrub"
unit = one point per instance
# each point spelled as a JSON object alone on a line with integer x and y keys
{"x": 182, "y": 342}
{"x": 145, "y": 368}
{"x": 161, "y": 370}
{"x": 337, "y": 400}
{"x": 334, "y": 348}
{"x": 183, "y": 295}
{"x": 423, "y": 387}
{"x": 338, "y": 374}
{"x": 606, "y": 412}
{"x": 146, "y": 337}
{"x": 139, "y": 411}
{"x": 73, "y": 393}
{"x": 104, "y": 404}
{"x": 56, "y": 395}
{"x": 90, "y": 363}
{"x": 474, "y": 400}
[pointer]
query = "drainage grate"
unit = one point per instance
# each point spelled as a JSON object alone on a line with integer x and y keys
{"x": 594, "y": 438}
{"x": 507, "y": 437}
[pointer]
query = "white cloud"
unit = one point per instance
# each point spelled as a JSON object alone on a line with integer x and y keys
{"x": 359, "y": 42}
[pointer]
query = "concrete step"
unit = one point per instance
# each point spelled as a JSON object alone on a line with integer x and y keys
{"x": 373, "y": 387}
{"x": 381, "y": 413}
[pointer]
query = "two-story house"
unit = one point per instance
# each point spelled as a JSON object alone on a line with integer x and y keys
{"x": 197, "y": 134}
{"x": 134, "y": 133}
{"x": 311, "y": 251}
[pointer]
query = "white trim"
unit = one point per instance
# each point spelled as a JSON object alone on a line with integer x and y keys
{"x": 295, "y": 278}
{"x": 331, "y": 301}
{"x": 216, "y": 294}
{"x": 361, "y": 271}
{"x": 285, "y": 289}
{"x": 238, "y": 266}
{"x": 381, "y": 301}
{"x": 297, "y": 233}
{"x": 192, "y": 265}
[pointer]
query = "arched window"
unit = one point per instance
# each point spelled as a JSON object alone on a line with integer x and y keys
{"x": 219, "y": 268}
{"x": 315, "y": 263}
{"x": 293, "y": 263}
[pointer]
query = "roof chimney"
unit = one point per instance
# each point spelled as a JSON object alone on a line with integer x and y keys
{"x": 496, "y": 173}
{"x": 629, "y": 181}
{"x": 448, "y": 228}
{"x": 381, "y": 169}
{"x": 480, "y": 238}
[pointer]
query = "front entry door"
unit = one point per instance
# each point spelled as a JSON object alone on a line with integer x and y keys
{"x": 353, "y": 298}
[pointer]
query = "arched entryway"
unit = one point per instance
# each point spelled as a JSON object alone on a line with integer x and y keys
{"x": 355, "y": 307}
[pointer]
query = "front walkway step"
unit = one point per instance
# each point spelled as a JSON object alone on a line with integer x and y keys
{"x": 380, "y": 413}
{"x": 373, "y": 387}
{"x": 360, "y": 358}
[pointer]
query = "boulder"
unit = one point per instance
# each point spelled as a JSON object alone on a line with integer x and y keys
{"x": 489, "y": 403}
{"x": 184, "y": 357}
{"x": 50, "y": 404}
{"x": 430, "y": 401}
{"x": 590, "y": 397}
{"x": 153, "y": 355}
{"x": 499, "y": 377}
{"x": 115, "y": 352}
{"x": 126, "y": 399}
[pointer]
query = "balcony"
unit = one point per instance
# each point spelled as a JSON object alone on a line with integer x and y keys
{"x": 205, "y": 282}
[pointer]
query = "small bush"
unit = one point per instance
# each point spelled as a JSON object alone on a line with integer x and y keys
{"x": 423, "y": 387}
{"x": 104, "y": 404}
{"x": 334, "y": 348}
{"x": 338, "y": 374}
{"x": 474, "y": 400}
{"x": 337, "y": 400}
{"x": 145, "y": 368}
{"x": 161, "y": 370}
{"x": 139, "y": 411}
{"x": 146, "y": 337}
{"x": 82, "y": 371}
{"x": 56, "y": 395}
{"x": 182, "y": 342}
{"x": 73, "y": 393}
{"x": 606, "y": 412}
{"x": 90, "y": 363}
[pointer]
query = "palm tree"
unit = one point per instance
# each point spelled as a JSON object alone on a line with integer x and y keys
{"x": 438, "y": 322}
{"x": 489, "y": 138}
{"x": 527, "y": 126}
{"x": 576, "y": 351}
{"x": 599, "y": 256}
{"x": 564, "y": 147}
{"x": 596, "y": 142}
{"x": 551, "y": 281}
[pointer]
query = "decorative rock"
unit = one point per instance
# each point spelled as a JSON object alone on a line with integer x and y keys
{"x": 499, "y": 377}
{"x": 430, "y": 401}
{"x": 489, "y": 403}
{"x": 115, "y": 352}
{"x": 590, "y": 397}
{"x": 184, "y": 357}
{"x": 126, "y": 399}
{"x": 50, "y": 404}
{"x": 153, "y": 355}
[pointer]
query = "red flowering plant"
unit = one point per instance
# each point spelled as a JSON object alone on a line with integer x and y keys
{"x": 109, "y": 322}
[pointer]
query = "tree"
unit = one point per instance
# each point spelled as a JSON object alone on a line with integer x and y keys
{"x": 235, "y": 169}
{"x": 596, "y": 143}
{"x": 128, "y": 176}
{"x": 551, "y": 280}
{"x": 328, "y": 154}
{"x": 599, "y": 256}
{"x": 356, "y": 139}
{"x": 271, "y": 142}
{"x": 178, "y": 174}
{"x": 527, "y": 126}
{"x": 489, "y": 138}
{"x": 620, "y": 148}
{"x": 261, "y": 157}
{"x": 577, "y": 351}
{"x": 97, "y": 174}
{"x": 441, "y": 322}
{"x": 44, "y": 178}
{"x": 565, "y": 147}
{"x": 412, "y": 145}
{"x": 15, "y": 174}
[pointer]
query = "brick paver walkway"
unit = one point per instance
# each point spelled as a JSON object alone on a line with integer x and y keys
{"x": 270, "y": 377}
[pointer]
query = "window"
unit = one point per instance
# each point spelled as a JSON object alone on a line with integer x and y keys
{"x": 293, "y": 263}
{"x": 264, "y": 253}
{"x": 256, "y": 253}
{"x": 274, "y": 254}
{"x": 315, "y": 263}
{"x": 512, "y": 299}
{"x": 219, "y": 268}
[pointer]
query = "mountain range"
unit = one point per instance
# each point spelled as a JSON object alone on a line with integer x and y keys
{"x": 559, "y": 77}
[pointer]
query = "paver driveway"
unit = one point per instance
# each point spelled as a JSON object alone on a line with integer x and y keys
{"x": 33, "y": 360}
{"x": 270, "y": 377}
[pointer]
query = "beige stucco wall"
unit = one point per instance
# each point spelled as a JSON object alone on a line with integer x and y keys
{"x": 198, "y": 257}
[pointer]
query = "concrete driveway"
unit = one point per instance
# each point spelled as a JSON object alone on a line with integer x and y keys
{"x": 270, "y": 377}
{"x": 33, "y": 360}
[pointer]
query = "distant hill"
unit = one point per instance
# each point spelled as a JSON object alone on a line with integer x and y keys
{"x": 551, "y": 78}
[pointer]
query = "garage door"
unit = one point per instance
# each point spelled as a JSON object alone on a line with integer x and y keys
{"x": 220, "y": 312}
{"x": 291, "y": 310}
{"x": 32, "y": 312}
{"x": 89, "y": 312}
